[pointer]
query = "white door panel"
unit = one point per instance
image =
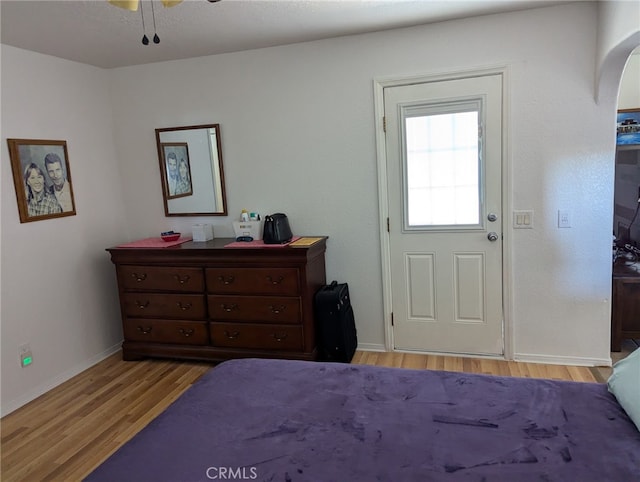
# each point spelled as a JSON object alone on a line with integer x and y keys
{"x": 444, "y": 162}
{"x": 421, "y": 299}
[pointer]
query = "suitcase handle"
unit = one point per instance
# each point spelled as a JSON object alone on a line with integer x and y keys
{"x": 328, "y": 287}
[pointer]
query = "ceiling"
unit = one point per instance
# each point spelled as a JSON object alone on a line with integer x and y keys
{"x": 97, "y": 33}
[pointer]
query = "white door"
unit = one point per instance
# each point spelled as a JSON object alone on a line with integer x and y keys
{"x": 444, "y": 163}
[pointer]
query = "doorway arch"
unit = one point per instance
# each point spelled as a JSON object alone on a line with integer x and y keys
{"x": 617, "y": 40}
{"x": 618, "y": 34}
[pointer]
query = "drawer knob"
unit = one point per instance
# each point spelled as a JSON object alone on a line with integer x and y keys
{"x": 231, "y": 335}
{"x": 279, "y": 338}
{"x": 181, "y": 279}
{"x": 142, "y": 305}
{"x": 228, "y": 308}
{"x": 139, "y": 277}
{"x": 275, "y": 281}
{"x": 226, "y": 280}
{"x": 186, "y": 332}
{"x": 145, "y": 330}
{"x": 277, "y": 309}
{"x": 184, "y": 307}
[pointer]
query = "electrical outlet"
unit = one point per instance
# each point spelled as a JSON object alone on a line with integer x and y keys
{"x": 26, "y": 357}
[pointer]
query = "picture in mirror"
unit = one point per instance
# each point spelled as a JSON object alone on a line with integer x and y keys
{"x": 191, "y": 170}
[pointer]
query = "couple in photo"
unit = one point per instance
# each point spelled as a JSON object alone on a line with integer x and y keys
{"x": 43, "y": 199}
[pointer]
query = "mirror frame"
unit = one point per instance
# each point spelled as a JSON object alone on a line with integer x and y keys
{"x": 165, "y": 195}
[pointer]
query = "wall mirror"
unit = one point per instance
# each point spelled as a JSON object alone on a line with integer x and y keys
{"x": 191, "y": 170}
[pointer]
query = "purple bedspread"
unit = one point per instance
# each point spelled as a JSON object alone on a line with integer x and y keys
{"x": 294, "y": 421}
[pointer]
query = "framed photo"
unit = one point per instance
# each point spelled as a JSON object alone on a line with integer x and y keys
{"x": 628, "y": 127}
{"x": 176, "y": 170}
{"x": 42, "y": 179}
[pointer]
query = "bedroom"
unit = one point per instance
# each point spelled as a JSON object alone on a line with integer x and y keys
{"x": 560, "y": 280}
{"x": 555, "y": 314}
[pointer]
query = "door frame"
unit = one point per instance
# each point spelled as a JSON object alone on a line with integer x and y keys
{"x": 383, "y": 196}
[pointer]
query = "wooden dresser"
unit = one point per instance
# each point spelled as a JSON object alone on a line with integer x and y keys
{"x": 207, "y": 302}
{"x": 625, "y": 316}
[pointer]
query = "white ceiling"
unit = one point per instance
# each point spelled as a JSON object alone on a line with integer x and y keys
{"x": 97, "y": 33}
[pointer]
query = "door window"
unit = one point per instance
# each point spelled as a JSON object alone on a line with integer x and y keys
{"x": 442, "y": 166}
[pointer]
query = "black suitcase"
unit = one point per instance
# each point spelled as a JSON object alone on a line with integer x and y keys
{"x": 336, "y": 327}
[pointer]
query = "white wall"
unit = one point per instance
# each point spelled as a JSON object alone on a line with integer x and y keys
{"x": 298, "y": 136}
{"x": 58, "y": 285}
{"x": 629, "y": 96}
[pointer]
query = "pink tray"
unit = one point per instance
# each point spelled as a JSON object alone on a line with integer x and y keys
{"x": 154, "y": 243}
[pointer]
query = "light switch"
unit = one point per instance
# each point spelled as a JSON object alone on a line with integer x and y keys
{"x": 523, "y": 219}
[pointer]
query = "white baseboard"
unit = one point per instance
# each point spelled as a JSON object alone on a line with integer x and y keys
{"x": 562, "y": 360}
{"x": 371, "y": 347}
{"x": 51, "y": 384}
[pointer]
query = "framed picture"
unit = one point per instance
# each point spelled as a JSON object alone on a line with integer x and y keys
{"x": 628, "y": 127}
{"x": 177, "y": 170}
{"x": 42, "y": 179}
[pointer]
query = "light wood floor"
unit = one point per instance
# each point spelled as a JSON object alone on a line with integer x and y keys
{"x": 64, "y": 434}
{"x": 476, "y": 365}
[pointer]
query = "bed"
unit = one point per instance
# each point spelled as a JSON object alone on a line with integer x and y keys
{"x": 295, "y": 421}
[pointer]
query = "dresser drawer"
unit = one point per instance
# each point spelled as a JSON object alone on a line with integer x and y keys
{"x": 156, "y": 305}
{"x": 160, "y": 278}
{"x": 276, "y": 281}
{"x": 166, "y": 331}
{"x": 250, "y": 335}
{"x": 271, "y": 309}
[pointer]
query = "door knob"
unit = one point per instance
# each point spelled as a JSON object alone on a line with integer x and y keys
{"x": 492, "y": 217}
{"x": 492, "y": 236}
